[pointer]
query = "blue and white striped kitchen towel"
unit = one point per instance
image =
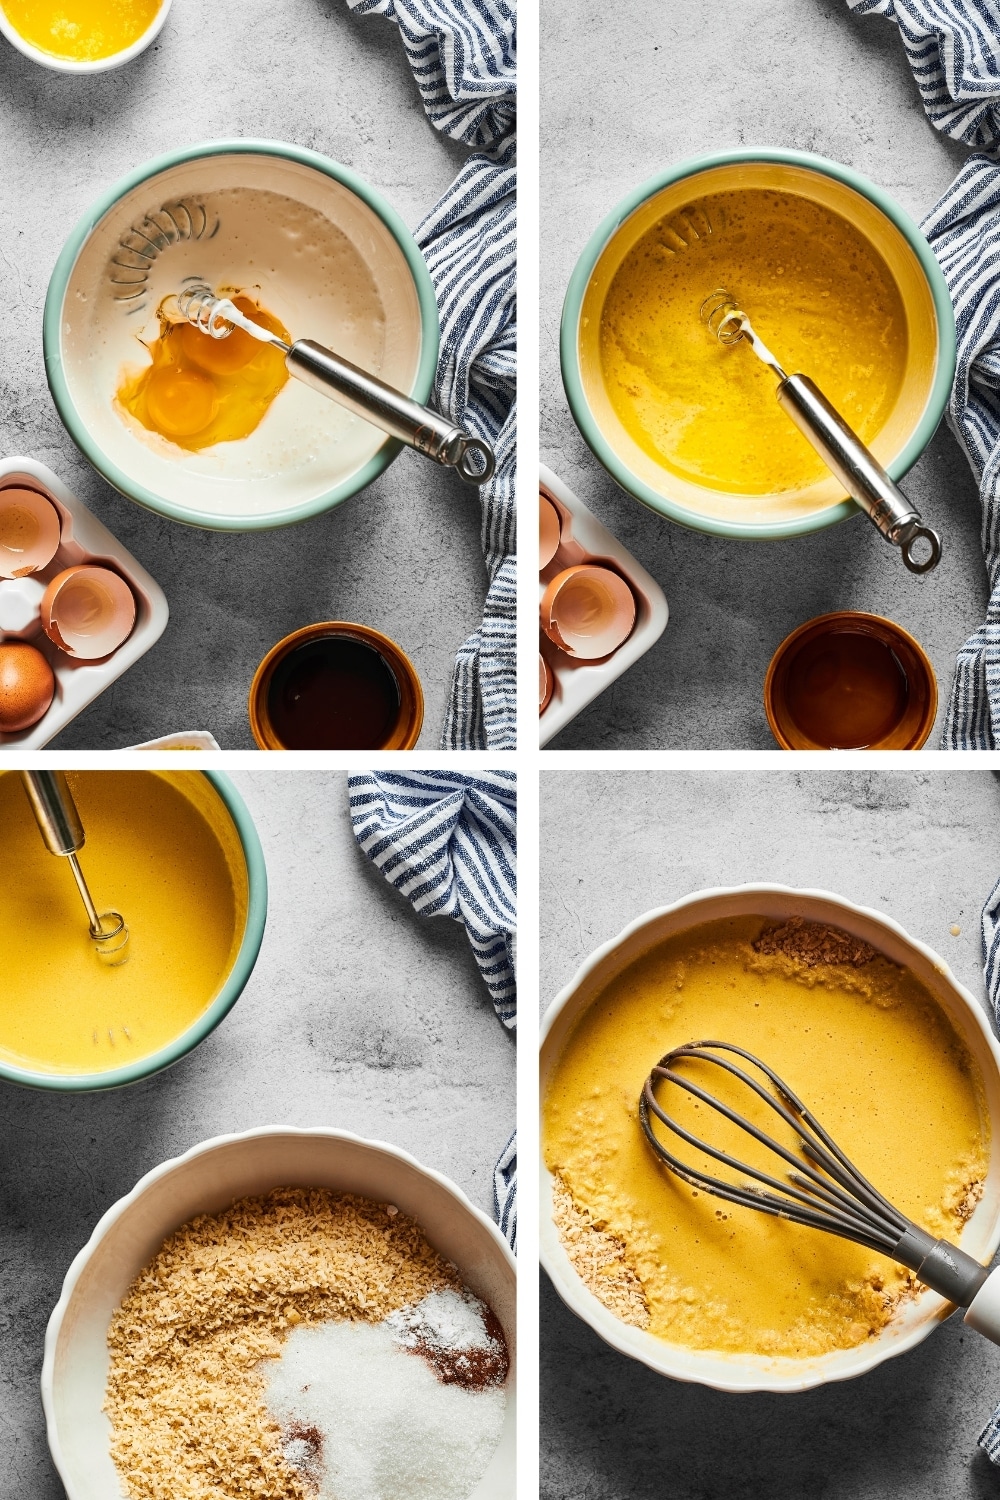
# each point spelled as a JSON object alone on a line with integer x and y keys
{"x": 954, "y": 51}
{"x": 462, "y": 53}
{"x": 448, "y": 842}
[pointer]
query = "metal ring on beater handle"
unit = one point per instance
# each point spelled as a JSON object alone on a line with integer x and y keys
{"x": 921, "y": 534}
{"x": 475, "y": 447}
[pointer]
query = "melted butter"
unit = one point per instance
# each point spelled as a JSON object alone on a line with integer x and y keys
{"x": 816, "y": 291}
{"x": 867, "y": 1050}
{"x": 151, "y": 854}
{"x": 198, "y": 390}
{"x": 83, "y": 30}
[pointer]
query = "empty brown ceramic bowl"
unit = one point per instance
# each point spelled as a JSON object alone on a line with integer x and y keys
{"x": 336, "y": 686}
{"x": 850, "y": 681}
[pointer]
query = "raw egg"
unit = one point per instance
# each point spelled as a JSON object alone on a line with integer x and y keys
{"x": 27, "y": 686}
{"x": 29, "y": 532}
{"x": 199, "y": 390}
{"x": 88, "y": 612}
{"x": 548, "y": 531}
{"x": 588, "y": 611}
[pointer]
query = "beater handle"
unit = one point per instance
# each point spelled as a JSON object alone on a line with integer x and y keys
{"x": 858, "y": 470}
{"x": 403, "y": 418}
{"x": 984, "y": 1311}
{"x": 55, "y": 811}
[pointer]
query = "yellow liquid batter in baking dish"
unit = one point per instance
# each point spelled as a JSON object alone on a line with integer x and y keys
{"x": 818, "y": 293}
{"x": 865, "y": 1047}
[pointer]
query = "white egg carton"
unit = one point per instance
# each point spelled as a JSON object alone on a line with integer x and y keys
{"x": 83, "y": 540}
{"x": 584, "y": 539}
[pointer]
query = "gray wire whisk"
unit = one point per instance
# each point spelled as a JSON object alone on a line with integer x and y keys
{"x": 824, "y": 1190}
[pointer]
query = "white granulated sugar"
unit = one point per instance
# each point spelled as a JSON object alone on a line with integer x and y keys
{"x": 443, "y": 1320}
{"x": 390, "y": 1429}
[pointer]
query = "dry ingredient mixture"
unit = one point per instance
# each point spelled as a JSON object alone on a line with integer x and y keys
{"x": 298, "y": 1345}
{"x": 862, "y": 1043}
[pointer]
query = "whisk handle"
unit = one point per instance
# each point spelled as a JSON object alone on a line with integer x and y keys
{"x": 405, "y": 419}
{"x": 984, "y": 1312}
{"x": 859, "y": 471}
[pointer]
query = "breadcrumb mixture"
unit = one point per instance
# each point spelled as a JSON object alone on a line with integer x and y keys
{"x": 814, "y": 943}
{"x": 186, "y": 1388}
{"x": 598, "y": 1258}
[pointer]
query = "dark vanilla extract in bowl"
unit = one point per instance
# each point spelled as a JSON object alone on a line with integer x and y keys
{"x": 336, "y": 687}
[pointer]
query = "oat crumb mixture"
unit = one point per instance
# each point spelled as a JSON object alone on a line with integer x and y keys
{"x": 814, "y": 943}
{"x": 186, "y": 1386}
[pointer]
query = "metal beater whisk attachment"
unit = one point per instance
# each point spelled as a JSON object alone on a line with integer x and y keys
{"x": 365, "y": 395}
{"x": 62, "y": 830}
{"x": 723, "y": 316}
{"x": 837, "y": 444}
{"x": 824, "y": 1191}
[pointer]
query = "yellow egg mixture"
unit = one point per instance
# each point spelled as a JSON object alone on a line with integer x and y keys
{"x": 866, "y": 1048}
{"x": 83, "y": 30}
{"x": 821, "y": 298}
{"x": 151, "y": 854}
{"x": 200, "y": 390}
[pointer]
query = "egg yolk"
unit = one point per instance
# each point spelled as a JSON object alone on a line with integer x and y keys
{"x": 198, "y": 390}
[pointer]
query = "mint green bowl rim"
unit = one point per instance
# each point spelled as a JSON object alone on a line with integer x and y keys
{"x": 52, "y": 341}
{"x": 584, "y": 269}
{"x": 236, "y": 979}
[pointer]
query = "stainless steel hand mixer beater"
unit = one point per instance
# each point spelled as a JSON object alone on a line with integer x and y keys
{"x": 365, "y": 395}
{"x": 62, "y": 830}
{"x": 825, "y": 1191}
{"x": 837, "y": 444}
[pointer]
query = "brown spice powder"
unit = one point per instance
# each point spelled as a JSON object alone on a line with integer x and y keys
{"x": 813, "y": 943}
{"x": 599, "y": 1258}
{"x": 186, "y": 1388}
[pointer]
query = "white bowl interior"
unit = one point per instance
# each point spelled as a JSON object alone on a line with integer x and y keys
{"x": 318, "y": 258}
{"x": 206, "y": 1181}
{"x": 980, "y": 1236}
{"x": 880, "y": 231}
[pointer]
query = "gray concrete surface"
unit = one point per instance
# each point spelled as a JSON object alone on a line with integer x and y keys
{"x": 358, "y": 1014}
{"x": 627, "y": 90}
{"x": 924, "y": 848}
{"x": 403, "y": 556}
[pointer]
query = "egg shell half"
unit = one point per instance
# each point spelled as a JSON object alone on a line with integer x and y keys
{"x": 588, "y": 611}
{"x": 29, "y": 532}
{"x": 88, "y": 611}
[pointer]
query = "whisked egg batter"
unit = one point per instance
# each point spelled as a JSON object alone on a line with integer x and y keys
{"x": 200, "y": 390}
{"x": 161, "y": 854}
{"x": 818, "y": 293}
{"x": 863, "y": 1044}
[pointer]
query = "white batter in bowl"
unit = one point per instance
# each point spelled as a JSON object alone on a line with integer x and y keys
{"x": 304, "y": 237}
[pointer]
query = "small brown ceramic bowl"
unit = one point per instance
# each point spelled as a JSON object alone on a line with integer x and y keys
{"x": 850, "y": 681}
{"x": 400, "y": 732}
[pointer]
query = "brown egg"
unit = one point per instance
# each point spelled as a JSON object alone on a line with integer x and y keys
{"x": 27, "y": 686}
{"x": 588, "y": 611}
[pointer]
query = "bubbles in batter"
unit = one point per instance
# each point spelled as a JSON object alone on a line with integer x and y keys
{"x": 199, "y": 390}
{"x": 819, "y": 295}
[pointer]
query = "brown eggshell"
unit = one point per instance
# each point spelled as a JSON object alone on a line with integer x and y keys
{"x": 29, "y": 531}
{"x": 588, "y": 611}
{"x": 27, "y": 686}
{"x": 546, "y": 682}
{"x": 88, "y": 611}
{"x": 548, "y": 531}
